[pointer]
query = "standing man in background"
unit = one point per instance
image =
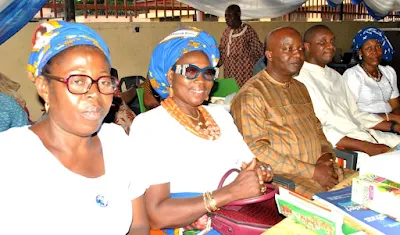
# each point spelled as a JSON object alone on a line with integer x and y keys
{"x": 240, "y": 47}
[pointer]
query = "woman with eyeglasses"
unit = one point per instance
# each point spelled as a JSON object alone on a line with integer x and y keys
{"x": 191, "y": 146}
{"x": 68, "y": 173}
{"x": 373, "y": 85}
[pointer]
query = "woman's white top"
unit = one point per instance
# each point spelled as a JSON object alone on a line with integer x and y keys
{"x": 189, "y": 163}
{"x": 372, "y": 96}
{"x": 39, "y": 195}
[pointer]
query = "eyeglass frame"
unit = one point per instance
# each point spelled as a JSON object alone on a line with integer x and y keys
{"x": 66, "y": 80}
{"x": 181, "y": 69}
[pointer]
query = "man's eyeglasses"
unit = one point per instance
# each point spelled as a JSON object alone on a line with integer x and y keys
{"x": 79, "y": 84}
{"x": 191, "y": 71}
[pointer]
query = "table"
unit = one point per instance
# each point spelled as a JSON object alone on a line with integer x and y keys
{"x": 289, "y": 227}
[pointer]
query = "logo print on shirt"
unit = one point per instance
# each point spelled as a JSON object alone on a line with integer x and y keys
{"x": 101, "y": 201}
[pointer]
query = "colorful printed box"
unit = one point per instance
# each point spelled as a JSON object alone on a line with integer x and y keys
{"x": 377, "y": 193}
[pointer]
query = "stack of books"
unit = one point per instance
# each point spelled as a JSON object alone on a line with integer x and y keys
{"x": 369, "y": 220}
{"x": 318, "y": 218}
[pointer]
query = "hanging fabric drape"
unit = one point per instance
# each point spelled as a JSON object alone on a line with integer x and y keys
{"x": 15, "y": 14}
{"x": 251, "y": 9}
{"x": 378, "y": 9}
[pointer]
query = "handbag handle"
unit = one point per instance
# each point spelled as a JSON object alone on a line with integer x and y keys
{"x": 266, "y": 196}
{"x": 228, "y": 173}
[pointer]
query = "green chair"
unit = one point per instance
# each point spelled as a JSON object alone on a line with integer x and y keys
{"x": 224, "y": 87}
{"x": 140, "y": 93}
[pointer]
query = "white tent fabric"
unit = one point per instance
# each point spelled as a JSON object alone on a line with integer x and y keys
{"x": 251, "y": 9}
{"x": 376, "y": 8}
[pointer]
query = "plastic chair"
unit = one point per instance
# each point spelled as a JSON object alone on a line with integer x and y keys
{"x": 131, "y": 81}
{"x": 224, "y": 87}
{"x": 140, "y": 93}
{"x": 350, "y": 157}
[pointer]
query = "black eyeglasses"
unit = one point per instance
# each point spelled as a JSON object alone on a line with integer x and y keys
{"x": 79, "y": 84}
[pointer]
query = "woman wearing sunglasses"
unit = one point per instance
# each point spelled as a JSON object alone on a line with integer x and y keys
{"x": 191, "y": 146}
{"x": 67, "y": 173}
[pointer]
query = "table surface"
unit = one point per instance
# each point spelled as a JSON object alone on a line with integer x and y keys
{"x": 289, "y": 227}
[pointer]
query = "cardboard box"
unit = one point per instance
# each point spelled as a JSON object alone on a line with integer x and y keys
{"x": 378, "y": 194}
{"x": 385, "y": 165}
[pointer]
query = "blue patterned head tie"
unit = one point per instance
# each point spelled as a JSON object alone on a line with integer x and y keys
{"x": 374, "y": 33}
{"x": 172, "y": 48}
{"x": 59, "y": 36}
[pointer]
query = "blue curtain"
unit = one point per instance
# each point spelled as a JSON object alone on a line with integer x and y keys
{"x": 15, "y": 14}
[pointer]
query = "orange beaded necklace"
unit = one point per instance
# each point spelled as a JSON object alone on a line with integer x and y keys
{"x": 211, "y": 130}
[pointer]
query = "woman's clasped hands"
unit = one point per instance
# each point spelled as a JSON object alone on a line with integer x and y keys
{"x": 251, "y": 180}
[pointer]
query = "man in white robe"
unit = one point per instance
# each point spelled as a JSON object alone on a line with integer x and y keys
{"x": 344, "y": 125}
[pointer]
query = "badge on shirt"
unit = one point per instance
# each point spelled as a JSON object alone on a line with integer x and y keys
{"x": 101, "y": 201}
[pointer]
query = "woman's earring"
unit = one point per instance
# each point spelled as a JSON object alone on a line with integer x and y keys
{"x": 46, "y": 107}
{"x": 171, "y": 92}
{"x": 360, "y": 57}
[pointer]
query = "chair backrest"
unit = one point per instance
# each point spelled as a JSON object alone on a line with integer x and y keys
{"x": 140, "y": 93}
{"x": 130, "y": 81}
{"x": 224, "y": 87}
{"x": 346, "y": 158}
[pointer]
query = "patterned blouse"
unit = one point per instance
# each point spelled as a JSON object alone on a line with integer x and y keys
{"x": 11, "y": 113}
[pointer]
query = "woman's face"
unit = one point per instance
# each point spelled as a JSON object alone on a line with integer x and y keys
{"x": 371, "y": 52}
{"x": 81, "y": 114}
{"x": 191, "y": 92}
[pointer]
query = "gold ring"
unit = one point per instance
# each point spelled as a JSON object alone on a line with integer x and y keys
{"x": 263, "y": 189}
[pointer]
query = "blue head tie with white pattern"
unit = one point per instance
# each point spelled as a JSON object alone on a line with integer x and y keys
{"x": 377, "y": 34}
{"x": 172, "y": 48}
{"x": 60, "y": 36}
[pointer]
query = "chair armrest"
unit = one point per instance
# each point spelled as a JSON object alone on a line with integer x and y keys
{"x": 288, "y": 183}
{"x": 349, "y": 156}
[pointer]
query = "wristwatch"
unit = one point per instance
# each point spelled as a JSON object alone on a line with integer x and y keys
{"x": 392, "y": 127}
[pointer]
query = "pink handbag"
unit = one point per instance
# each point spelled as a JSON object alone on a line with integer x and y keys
{"x": 250, "y": 216}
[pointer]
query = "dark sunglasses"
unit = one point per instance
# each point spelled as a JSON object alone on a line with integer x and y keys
{"x": 191, "y": 71}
